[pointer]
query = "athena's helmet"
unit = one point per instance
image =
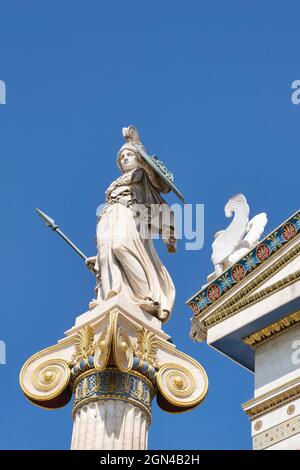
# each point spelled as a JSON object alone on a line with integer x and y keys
{"x": 132, "y": 139}
{"x": 165, "y": 179}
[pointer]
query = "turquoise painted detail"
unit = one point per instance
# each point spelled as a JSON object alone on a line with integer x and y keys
{"x": 280, "y": 237}
{"x": 138, "y": 364}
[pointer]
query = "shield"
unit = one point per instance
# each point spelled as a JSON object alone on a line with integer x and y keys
{"x": 159, "y": 169}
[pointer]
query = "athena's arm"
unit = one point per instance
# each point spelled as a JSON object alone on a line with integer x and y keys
{"x": 162, "y": 223}
{"x": 155, "y": 180}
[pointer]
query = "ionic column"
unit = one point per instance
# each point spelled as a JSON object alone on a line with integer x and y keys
{"x": 113, "y": 362}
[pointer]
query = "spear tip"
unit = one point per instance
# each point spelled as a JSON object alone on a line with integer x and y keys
{"x": 48, "y": 221}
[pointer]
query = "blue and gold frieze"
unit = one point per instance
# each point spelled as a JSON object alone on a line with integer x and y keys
{"x": 112, "y": 384}
{"x": 137, "y": 364}
{"x": 276, "y": 240}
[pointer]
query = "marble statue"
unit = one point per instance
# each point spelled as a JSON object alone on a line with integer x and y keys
{"x": 241, "y": 235}
{"x": 127, "y": 262}
{"x": 117, "y": 358}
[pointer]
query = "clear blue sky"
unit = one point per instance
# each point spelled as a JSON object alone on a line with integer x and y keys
{"x": 208, "y": 84}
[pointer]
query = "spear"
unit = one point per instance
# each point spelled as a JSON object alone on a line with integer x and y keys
{"x": 51, "y": 224}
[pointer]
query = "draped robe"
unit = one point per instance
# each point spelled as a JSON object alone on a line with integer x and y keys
{"x": 127, "y": 261}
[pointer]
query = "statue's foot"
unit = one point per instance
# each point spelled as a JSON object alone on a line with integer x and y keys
{"x": 148, "y": 305}
{"x": 93, "y": 304}
{"x": 163, "y": 315}
{"x": 111, "y": 294}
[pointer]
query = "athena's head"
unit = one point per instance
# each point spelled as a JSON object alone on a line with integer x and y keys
{"x": 128, "y": 158}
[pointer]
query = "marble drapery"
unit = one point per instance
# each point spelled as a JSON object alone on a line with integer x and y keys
{"x": 127, "y": 262}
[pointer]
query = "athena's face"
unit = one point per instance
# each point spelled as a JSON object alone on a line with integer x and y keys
{"x": 128, "y": 160}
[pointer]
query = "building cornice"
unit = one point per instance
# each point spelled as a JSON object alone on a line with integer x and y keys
{"x": 265, "y": 403}
{"x": 247, "y": 301}
{"x": 273, "y": 243}
{"x": 275, "y": 329}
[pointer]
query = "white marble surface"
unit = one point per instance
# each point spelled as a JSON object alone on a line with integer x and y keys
{"x": 274, "y": 362}
{"x": 291, "y": 443}
{"x": 110, "y": 425}
{"x": 275, "y": 417}
{"x": 120, "y": 302}
{"x": 238, "y": 238}
{"x": 290, "y": 268}
{"x": 255, "y": 311}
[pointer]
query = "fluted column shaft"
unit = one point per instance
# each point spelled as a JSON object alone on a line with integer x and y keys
{"x": 110, "y": 425}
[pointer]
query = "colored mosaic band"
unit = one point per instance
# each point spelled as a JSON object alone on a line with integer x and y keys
{"x": 263, "y": 251}
{"x": 113, "y": 385}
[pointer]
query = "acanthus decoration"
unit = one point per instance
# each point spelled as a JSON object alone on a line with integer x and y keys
{"x": 115, "y": 349}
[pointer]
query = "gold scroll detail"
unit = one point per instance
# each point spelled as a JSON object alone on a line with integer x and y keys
{"x": 123, "y": 351}
{"x": 46, "y": 382}
{"x": 102, "y": 349}
{"x": 112, "y": 346}
{"x": 178, "y": 387}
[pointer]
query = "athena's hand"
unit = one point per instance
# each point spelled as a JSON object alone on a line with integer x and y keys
{"x": 171, "y": 245}
{"x": 90, "y": 263}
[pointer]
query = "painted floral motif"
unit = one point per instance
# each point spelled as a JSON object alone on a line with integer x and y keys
{"x": 225, "y": 282}
{"x": 213, "y": 292}
{"x": 238, "y": 272}
{"x": 262, "y": 252}
{"x": 201, "y": 301}
{"x": 275, "y": 241}
{"x": 289, "y": 231}
{"x": 297, "y": 219}
{"x": 250, "y": 262}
